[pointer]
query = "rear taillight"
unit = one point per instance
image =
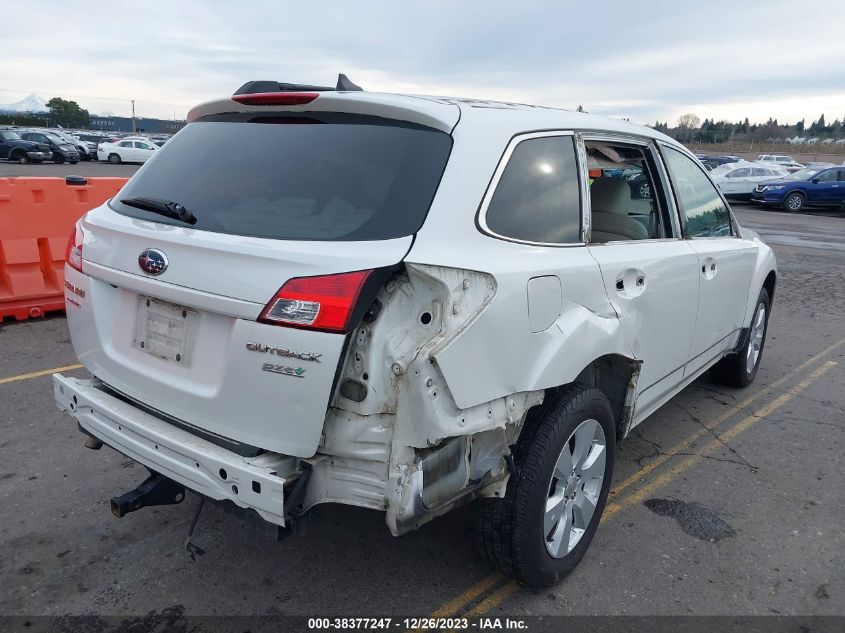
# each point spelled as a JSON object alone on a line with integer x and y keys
{"x": 73, "y": 255}
{"x": 276, "y": 98}
{"x": 316, "y": 303}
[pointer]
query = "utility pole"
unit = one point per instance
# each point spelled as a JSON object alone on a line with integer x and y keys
{"x": 133, "y": 116}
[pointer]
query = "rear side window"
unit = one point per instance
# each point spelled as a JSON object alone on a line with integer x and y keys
{"x": 325, "y": 177}
{"x": 537, "y": 198}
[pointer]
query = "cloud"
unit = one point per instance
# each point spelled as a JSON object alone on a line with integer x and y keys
{"x": 645, "y": 61}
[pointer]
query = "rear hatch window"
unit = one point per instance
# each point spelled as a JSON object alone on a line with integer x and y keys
{"x": 315, "y": 176}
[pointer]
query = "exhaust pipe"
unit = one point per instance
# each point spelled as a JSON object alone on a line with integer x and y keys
{"x": 155, "y": 491}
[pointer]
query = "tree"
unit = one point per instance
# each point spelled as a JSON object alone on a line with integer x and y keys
{"x": 688, "y": 121}
{"x": 67, "y": 113}
{"x": 800, "y": 126}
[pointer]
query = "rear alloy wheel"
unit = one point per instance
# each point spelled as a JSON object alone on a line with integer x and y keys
{"x": 794, "y": 201}
{"x": 740, "y": 368}
{"x": 541, "y": 529}
{"x": 114, "y": 159}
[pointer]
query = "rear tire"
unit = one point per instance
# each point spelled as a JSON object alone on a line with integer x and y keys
{"x": 794, "y": 201}
{"x": 114, "y": 159}
{"x": 740, "y": 368}
{"x": 20, "y": 157}
{"x": 540, "y": 531}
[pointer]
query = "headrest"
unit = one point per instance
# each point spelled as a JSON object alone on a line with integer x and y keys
{"x": 611, "y": 195}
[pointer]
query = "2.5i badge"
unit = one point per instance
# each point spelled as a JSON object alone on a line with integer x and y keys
{"x": 296, "y": 372}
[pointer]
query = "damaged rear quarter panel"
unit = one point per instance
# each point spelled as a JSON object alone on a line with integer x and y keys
{"x": 498, "y": 355}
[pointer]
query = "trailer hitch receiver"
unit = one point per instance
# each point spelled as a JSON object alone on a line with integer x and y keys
{"x": 155, "y": 491}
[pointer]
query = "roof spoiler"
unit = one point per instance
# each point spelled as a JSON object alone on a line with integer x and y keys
{"x": 344, "y": 84}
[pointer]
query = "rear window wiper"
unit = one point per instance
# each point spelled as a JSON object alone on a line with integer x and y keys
{"x": 167, "y": 208}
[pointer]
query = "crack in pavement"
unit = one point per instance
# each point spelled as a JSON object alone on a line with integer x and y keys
{"x": 695, "y": 419}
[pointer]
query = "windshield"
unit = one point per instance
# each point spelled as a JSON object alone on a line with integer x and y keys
{"x": 309, "y": 177}
{"x": 802, "y": 174}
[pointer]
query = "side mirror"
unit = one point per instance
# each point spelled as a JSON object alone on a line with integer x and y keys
{"x": 815, "y": 181}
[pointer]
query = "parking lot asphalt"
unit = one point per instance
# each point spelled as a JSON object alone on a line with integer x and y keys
{"x": 82, "y": 168}
{"x": 726, "y": 501}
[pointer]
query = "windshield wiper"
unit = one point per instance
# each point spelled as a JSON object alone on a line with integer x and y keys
{"x": 167, "y": 208}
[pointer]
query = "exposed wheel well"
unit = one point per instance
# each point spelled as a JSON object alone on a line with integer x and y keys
{"x": 616, "y": 376}
{"x": 769, "y": 285}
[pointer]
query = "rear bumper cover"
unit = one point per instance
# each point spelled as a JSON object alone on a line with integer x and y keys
{"x": 192, "y": 461}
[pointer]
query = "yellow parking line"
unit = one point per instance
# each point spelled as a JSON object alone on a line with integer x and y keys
{"x": 460, "y": 602}
{"x": 494, "y": 599}
{"x": 38, "y": 374}
{"x": 452, "y": 607}
{"x": 612, "y": 509}
{"x": 726, "y": 415}
{"x": 724, "y": 437}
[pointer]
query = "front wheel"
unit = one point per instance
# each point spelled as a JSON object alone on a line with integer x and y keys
{"x": 740, "y": 368}
{"x": 540, "y": 531}
{"x": 21, "y": 158}
{"x": 794, "y": 201}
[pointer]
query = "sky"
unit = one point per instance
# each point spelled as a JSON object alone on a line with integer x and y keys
{"x": 645, "y": 61}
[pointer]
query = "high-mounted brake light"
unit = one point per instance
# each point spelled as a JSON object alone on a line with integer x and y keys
{"x": 316, "y": 303}
{"x": 276, "y": 98}
{"x": 73, "y": 254}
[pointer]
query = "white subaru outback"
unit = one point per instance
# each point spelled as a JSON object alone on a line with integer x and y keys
{"x": 405, "y": 303}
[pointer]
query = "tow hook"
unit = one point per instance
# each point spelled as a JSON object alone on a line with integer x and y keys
{"x": 155, "y": 491}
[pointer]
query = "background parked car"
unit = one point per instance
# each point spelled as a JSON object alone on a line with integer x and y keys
{"x": 81, "y": 147}
{"x": 791, "y": 167}
{"x": 776, "y": 158}
{"x": 738, "y": 180}
{"x": 810, "y": 186}
{"x": 711, "y": 162}
{"x": 14, "y": 148}
{"x": 638, "y": 183}
{"x": 131, "y": 150}
{"x": 86, "y": 145}
{"x": 62, "y": 150}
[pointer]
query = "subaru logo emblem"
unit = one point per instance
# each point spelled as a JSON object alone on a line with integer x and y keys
{"x": 152, "y": 261}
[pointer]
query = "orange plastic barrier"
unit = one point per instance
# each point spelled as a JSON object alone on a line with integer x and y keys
{"x": 36, "y": 218}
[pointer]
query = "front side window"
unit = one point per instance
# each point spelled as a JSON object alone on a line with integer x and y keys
{"x": 537, "y": 198}
{"x": 699, "y": 202}
{"x": 827, "y": 176}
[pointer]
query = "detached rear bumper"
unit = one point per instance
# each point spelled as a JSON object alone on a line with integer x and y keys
{"x": 206, "y": 468}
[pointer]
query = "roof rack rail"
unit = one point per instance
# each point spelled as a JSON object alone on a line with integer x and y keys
{"x": 262, "y": 86}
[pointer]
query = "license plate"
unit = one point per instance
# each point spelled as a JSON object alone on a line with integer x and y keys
{"x": 165, "y": 330}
